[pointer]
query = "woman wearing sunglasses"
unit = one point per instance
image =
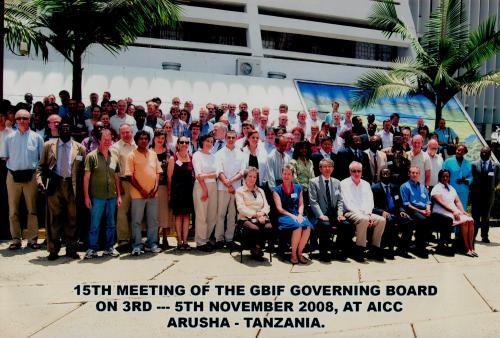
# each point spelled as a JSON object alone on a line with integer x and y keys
{"x": 180, "y": 181}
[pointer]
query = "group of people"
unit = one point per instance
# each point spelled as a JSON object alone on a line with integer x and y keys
{"x": 131, "y": 170}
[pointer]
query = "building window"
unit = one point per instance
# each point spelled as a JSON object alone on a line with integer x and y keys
{"x": 325, "y": 46}
{"x": 204, "y": 33}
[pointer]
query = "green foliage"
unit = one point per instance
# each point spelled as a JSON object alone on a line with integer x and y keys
{"x": 448, "y": 57}
{"x": 71, "y": 26}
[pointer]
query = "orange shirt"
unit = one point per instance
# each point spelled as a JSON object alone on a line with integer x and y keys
{"x": 144, "y": 169}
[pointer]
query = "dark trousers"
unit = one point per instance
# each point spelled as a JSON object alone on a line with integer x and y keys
{"x": 422, "y": 226}
{"x": 325, "y": 231}
{"x": 481, "y": 210}
{"x": 62, "y": 208}
{"x": 394, "y": 226}
{"x": 4, "y": 204}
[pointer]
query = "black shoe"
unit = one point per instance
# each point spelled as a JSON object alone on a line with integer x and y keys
{"x": 205, "y": 248}
{"x": 219, "y": 245}
{"x": 486, "y": 240}
{"x": 403, "y": 253}
{"x": 53, "y": 256}
{"x": 73, "y": 255}
{"x": 445, "y": 251}
{"x": 324, "y": 257}
{"x": 376, "y": 254}
{"x": 34, "y": 245}
{"x": 257, "y": 257}
{"x": 422, "y": 253}
{"x": 389, "y": 254}
{"x": 339, "y": 256}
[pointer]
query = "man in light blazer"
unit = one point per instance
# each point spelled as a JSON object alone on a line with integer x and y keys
{"x": 60, "y": 174}
{"x": 486, "y": 176}
{"x": 328, "y": 210}
{"x": 376, "y": 157}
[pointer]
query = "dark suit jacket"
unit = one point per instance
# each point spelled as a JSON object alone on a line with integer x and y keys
{"x": 380, "y": 200}
{"x": 316, "y": 158}
{"x": 484, "y": 184}
{"x": 48, "y": 161}
{"x": 344, "y": 158}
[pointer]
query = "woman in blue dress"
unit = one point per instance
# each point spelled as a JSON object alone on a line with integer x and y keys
{"x": 290, "y": 208}
{"x": 460, "y": 173}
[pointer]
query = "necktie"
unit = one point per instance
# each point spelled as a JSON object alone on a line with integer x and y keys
{"x": 375, "y": 166}
{"x": 328, "y": 195}
{"x": 65, "y": 172}
{"x": 390, "y": 201}
{"x": 219, "y": 144}
{"x": 483, "y": 167}
{"x": 358, "y": 154}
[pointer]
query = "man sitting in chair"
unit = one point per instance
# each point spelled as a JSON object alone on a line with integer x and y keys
{"x": 328, "y": 209}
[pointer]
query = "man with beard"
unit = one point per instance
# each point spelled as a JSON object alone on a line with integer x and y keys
{"x": 61, "y": 168}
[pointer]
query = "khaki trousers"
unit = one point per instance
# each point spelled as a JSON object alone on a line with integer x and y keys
{"x": 62, "y": 203}
{"x": 206, "y": 212}
{"x": 361, "y": 223}
{"x": 14, "y": 191}
{"x": 123, "y": 230}
{"x": 225, "y": 206}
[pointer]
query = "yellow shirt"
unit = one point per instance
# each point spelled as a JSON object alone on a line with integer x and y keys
{"x": 144, "y": 168}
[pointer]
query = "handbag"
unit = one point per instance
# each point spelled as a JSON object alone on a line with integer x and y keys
{"x": 22, "y": 176}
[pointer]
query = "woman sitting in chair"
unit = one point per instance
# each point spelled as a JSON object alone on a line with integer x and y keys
{"x": 252, "y": 212}
{"x": 448, "y": 208}
{"x": 290, "y": 208}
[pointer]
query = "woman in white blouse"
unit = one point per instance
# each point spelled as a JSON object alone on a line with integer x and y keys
{"x": 253, "y": 212}
{"x": 205, "y": 193}
{"x": 170, "y": 139}
{"x": 447, "y": 203}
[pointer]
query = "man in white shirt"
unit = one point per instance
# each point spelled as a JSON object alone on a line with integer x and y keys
{"x": 262, "y": 127}
{"x": 312, "y": 120}
{"x": 436, "y": 162}
{"x": 386, "y": 135}
{"x": 230, "y": 163}
{"x": 121, "y": 117}
{"x": 421, "y": 160}
{"x": 122, "y": 150}
{"x": 219, "y": 132}
{"x": 358, "y": 207}
{"x": 302, "y": 120}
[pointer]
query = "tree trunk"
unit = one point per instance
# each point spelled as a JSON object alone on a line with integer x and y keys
{"x": 77, "y": 76}
{"x": 439, "y": 112}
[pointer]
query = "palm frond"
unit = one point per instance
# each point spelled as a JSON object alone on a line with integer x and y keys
{"x": 489, "y": 79}
{"x": 483, "y": 44}
{"x": 377, "y": 84}
{"x": 20, "y": 20}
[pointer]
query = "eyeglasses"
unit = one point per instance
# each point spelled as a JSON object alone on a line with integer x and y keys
{"x": 176, "y": 102}
{"x": 355, "y": 171}
{"x": 183, "y": 142}
{"x": 231, "y": 137}
{"x": 183, "y": 114}
{"x": 22, "y": 118}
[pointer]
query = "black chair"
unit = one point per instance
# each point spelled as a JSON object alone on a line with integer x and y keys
{"x": 239, "y": 239}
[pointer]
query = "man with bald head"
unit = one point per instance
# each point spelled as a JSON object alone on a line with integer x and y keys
{"x": 436, "y": 161}
{"x": 486, "y": 176}
{"x": 420, "y": 159}
{"x": 22, "y": 151}
{"x": 276, "y": 161}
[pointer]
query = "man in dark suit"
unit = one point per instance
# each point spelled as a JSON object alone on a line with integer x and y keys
{"x": 387, "y": 200}
{"x": 486, "y": 176}
{"x": 324, "y": 152}
{"x": 60, "y": 174}
{"x": 328, "y": 210}
{"x": 352, "y": 152}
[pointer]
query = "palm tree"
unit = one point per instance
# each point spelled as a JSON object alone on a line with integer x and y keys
{"x": 71, "y": 26}
{"x": 447, "y": 59}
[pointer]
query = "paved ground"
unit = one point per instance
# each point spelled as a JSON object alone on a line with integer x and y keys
{"x": 38, "y": 297}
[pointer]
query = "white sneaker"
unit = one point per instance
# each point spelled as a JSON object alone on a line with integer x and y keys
{"x": 154, "y": 249}
{"x": 111, "y": 252}
{"x": 90, "y": 254}
{"x": 136, "y": 251}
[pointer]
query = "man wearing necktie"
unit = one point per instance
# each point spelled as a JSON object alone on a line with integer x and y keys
{"x": 219, "y": 132}
{"x": 486, "y": 176}
{"x": 328, "y": 209}
{"x": 61, "y": 168}
{"x": 325, "y": 151}
{"x": 352, "y": 152}
{"x": 388, "y": 204}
